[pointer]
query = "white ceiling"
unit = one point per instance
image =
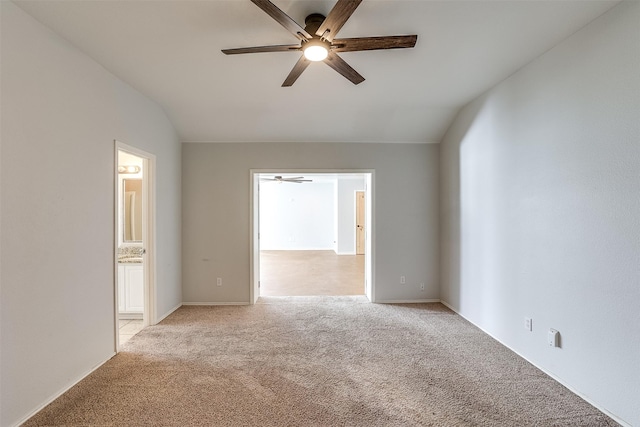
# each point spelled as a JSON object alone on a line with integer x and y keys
{"x": 170, "y": 51}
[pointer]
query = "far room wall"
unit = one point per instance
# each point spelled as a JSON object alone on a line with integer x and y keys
{"x": 217, "y": 200}
{"x": 298, "y": 216}
{"x": 346, "y": 188}
{"x": 316, "y": 215}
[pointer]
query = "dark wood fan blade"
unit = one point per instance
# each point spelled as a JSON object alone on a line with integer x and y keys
{"x": 300, "y": 66}
{"x": 294, "y": 177}
{"x": 258, "y": 49}
{"x": 373, "y": 43}
{"x": 339, "y": 64}
{"x": 283, "y": 19}
{"x": 337, "y": 18}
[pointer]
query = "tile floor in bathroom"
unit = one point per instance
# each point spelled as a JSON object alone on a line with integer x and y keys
{"x": 129, "y": 328}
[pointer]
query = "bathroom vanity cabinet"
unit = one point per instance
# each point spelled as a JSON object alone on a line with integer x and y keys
{"x": 130, "y": 290}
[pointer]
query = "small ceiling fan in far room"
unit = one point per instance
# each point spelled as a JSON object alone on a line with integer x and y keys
{"x": 318, "y": 42}
{"x": 280, "y": 179}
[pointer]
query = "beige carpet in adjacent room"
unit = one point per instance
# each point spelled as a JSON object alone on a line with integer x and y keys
{"x": 317, "y": 361}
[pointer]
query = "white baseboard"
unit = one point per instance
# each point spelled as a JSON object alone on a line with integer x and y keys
{"x": 558, "y": 379}
{"x": 168, "y": 313}
{"x": 450, "y": 307}
{"x": 216, "y": 303}
{"x": 406, "y": 301}
{"x": 297, "y": 249}
{"x": 61, "y": 392}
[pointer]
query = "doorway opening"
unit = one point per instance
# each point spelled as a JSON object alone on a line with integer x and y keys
{"x": 134, "y": 213}
{"x": 312, "y": 233}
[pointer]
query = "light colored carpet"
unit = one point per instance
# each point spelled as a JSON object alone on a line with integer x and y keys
{"x": 304, "y": 273}
{"x": 324, "y": 361}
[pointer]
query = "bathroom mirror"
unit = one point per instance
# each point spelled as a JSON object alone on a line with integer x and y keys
{"x": 132, "y": 203}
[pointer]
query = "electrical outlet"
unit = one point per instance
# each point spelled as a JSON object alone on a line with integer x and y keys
{"x": 422, "y": 286}
{"x": 528, "y": 324}
{"x": 219, "y": 281}
{"x": 403, "y": 280}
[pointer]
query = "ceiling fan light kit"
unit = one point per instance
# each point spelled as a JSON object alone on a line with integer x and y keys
{"x": 316, "y": 50}
{"x": 318, "y": 42}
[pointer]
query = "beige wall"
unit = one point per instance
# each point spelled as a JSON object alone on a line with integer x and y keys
{"x": 216, "y": 214}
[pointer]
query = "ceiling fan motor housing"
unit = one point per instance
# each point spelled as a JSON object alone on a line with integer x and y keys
{"x": 313, "y": 22}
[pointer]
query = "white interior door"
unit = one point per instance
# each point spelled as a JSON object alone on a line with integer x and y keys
{"x": 361, "y": 209}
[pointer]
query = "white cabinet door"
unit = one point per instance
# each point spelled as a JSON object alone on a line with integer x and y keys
{"x": 121, "y": 278}
{"x": 134, "y": 288}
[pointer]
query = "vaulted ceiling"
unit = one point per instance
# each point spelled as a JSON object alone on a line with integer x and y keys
{"x": 170, "y": 52}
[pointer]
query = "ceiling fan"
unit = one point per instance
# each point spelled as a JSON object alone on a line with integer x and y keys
{"x": 318, "y": 42}
{"x": 280, "y": 179}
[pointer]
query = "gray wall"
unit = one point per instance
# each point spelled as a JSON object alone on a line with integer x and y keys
{"x": 539, "y": 211}
{"x": 216, "y": 215}
{"x": 61, "y": 112}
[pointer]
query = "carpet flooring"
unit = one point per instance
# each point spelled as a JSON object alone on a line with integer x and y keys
{"x": 317, "y": 361}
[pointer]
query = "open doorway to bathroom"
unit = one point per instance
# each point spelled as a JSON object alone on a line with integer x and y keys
{"x": 133, "y": 206}
{"x": 310, "y": 233}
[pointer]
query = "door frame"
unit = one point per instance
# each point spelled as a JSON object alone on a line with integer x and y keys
{"x": 254, "y": 225}
{"x": 148, "y": 235}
